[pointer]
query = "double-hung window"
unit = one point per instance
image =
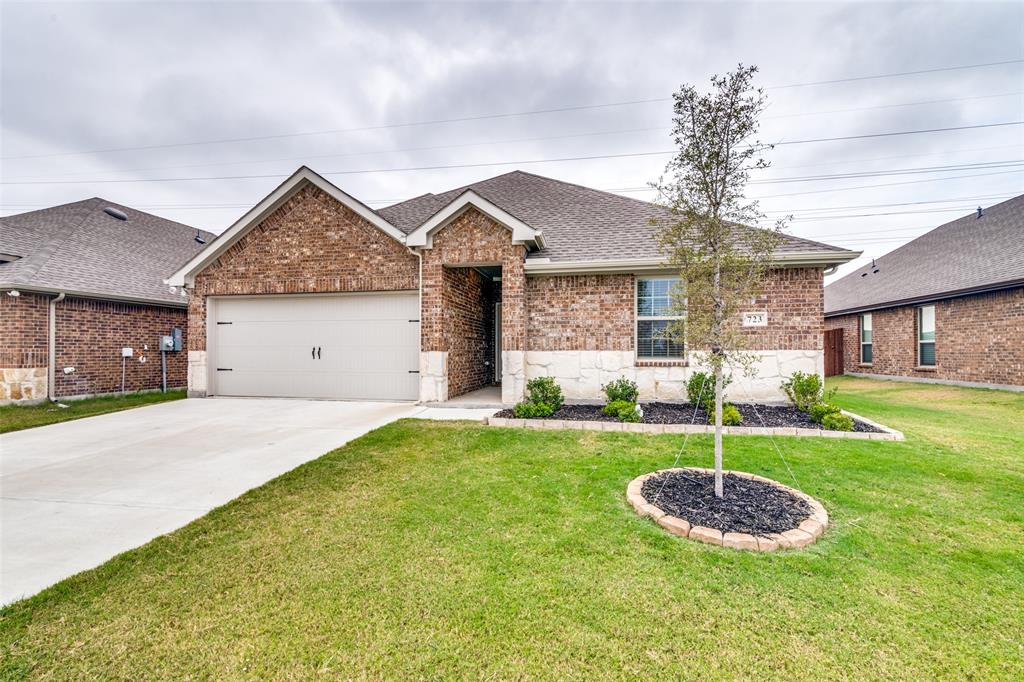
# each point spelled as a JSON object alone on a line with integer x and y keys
{"x": 865, "y": 338}
{"x": 658, "y": 319}
{"x": 926, "y": 336}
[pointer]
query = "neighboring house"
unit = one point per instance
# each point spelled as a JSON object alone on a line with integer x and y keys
{"x": 946, "y": 307}
{"x": 314, "y": 294}
{"x": 79, "y": 283}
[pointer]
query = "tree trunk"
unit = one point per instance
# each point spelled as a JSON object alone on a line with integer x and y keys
{"x": 719, "y": 491}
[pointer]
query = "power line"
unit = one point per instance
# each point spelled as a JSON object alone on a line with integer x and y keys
{"x": 481, "y": 117}
{"x": 885, "y": 184}
{"x": 483, "y": 164}
{"x": 902, "y": 171}
{"x": 626, "y": 131}
{"x": 894, "y": 75}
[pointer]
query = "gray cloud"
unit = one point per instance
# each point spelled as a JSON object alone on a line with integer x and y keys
{"x": 91, "y": 76}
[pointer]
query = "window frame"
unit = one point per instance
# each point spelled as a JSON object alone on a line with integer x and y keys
{"x": 638, "y": 318}
{"x": 919, "y": 325}
{"x": 860, "y": 337}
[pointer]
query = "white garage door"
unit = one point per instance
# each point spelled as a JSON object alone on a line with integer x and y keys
{"x": 352, "y": 346}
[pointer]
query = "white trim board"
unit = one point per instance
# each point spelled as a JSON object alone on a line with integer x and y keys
{"x": 185, "y": 276}
{"x": 522, "y": 233}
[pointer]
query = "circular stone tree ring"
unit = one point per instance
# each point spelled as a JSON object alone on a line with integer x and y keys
{"x": 803, "y": 534}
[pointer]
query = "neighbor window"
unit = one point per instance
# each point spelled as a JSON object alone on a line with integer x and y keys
{"x": 926, "y": 336}
{"x": 865, "y": 338}
{"x": 655, "y": 313}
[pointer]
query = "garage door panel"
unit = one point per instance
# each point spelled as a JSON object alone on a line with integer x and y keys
{"x": 349, "y": 346}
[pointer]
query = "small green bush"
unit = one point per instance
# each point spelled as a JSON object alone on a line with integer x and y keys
{"x": 836, "y": 421}
{"x": 544, "y": 391}
{"x": 528, "y": 410}
{"x": 730, "y": 415}
{"x": 621, "y": 389}
{"x": 624, "y": 410}
{"x": 806, "y": 390}
{"x": 819, "y": 411}
{"x": 705, "y": 399}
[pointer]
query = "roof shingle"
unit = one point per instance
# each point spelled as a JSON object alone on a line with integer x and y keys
{"x": 967, "y": 254}
{"x": 78, "y": 247}
{"x": 578, "y": 223}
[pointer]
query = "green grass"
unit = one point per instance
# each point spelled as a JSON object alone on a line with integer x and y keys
{"x": 18, "y": 417}
{"x": 437, "y": 550}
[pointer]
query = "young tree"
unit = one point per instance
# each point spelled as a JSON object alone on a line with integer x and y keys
{"x": 707, "y": 231}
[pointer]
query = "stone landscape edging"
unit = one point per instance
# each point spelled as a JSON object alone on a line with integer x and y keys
{"x": 809, "y": 530}
{"x": 581, "y": 425}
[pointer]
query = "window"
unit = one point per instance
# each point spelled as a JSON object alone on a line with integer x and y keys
{"x": 926, "y": 336}
{"x": 865, "y": 338}
{"x": 655, "y": 314}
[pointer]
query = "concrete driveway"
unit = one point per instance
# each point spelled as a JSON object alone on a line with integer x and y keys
{"x": 78, "y": 493}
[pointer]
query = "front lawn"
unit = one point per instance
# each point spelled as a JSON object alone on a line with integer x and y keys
{"x": 435, "y": 550}
{"x": 18, "y": 417}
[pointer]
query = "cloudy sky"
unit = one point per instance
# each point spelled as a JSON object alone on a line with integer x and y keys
{"x": 162, "y": 106}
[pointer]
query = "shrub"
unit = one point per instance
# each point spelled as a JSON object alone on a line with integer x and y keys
{"x": 730, "y": 415}
{"x": 819, "y": 411}
{"x": 836, "y": 421}
{"x": 806, "y": 390}
{"x": 544, "y": 391}
{"x": 528, "y": 410}
{"x": 621, "y": 389}
{"x": 705, "y": 399}
{"x": 624, "y": 410}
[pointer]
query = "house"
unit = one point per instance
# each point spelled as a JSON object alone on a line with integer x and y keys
{"x": 314, "y": 294}
{"x": 81, "y": 282}
{"x": 947, "y": 307}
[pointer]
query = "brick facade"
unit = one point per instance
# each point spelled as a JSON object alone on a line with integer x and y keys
{"x": 90, "y": 334}
{"x": 977, "y": 339}
{"x": 470, "y": 239}
{"x": 469, "y": 321}
{"x": 596, "y": 312}
{"x": 580, "y": 312}
{"x": 310, "y": 244}
{"x": 23, "y": 330}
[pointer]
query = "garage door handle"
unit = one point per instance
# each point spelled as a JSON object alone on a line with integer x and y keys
{"x": 318, "y": 352}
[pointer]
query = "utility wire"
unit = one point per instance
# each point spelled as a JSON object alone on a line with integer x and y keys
{"x": 485, "y": 164}
{"x": 495, "y": 116}
{"x": 626, "y": 131}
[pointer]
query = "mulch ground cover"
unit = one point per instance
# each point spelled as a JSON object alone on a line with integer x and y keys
{"x": 753, "y": 414}
{"x": 748, "y": 506}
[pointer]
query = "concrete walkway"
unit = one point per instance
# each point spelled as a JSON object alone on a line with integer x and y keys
{"x": 78, "y": 493}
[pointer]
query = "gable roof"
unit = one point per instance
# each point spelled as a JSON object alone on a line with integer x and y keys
{"x": 578, "y": 223}
{"x": 185, "y": 274}
{"x": 79, "y": 249}
{"x": 967, "y": 255}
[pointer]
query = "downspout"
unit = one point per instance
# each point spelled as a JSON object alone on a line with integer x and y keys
{"x": 51, "y": 348}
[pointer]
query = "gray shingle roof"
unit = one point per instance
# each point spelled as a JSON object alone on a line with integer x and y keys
{"x": 578, "y": 223}
{"x": 79, "y": 248}
{"x": 967, "y": 254}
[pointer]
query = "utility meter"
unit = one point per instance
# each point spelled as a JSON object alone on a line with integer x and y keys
{"x": 167, "y": 343}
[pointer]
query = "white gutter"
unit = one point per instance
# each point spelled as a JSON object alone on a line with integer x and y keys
{"x": 51, "y": 349}
{"x": 547, "y": 266}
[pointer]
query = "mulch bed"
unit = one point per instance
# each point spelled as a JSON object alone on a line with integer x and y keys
{"x": 748, "y": 506}
{"x": 753, "y": 414}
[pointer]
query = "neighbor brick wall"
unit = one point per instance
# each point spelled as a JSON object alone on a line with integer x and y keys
{"x": 23, "y": 330}
{"x": 468, "y": 306}
{"x": 91, "y": 333}
{"x": 596, "y": 312}
{"x": 311, "y": 244}
{"x": 472, "y": 239}
{"x": 580, "y": 312}
{"x": 977, "y": 338}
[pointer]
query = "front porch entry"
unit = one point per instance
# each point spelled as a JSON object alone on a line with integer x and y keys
{"x": 473, "y": 314}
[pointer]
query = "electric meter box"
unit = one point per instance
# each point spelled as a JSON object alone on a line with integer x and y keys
{"x": 166, "y": 343}
{"x": 127, "y": 352}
